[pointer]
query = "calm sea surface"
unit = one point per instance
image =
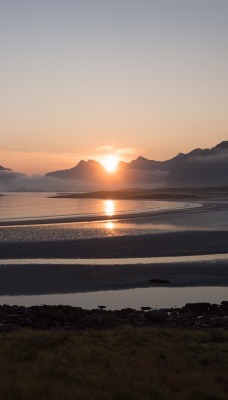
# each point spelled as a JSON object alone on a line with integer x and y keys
{"x": 27, "y": 206}
{"x": 16, "y": 207}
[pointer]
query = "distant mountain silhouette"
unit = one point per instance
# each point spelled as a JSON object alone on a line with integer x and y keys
{"x": 4, "y": 169}
{"x": 85, "y": 170}
{"x": 207, "y": 167}
{"x": 142, "y": 163}
{"x": 200, "y": 167}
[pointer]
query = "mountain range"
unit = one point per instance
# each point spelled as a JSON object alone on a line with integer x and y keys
{"x": 199, "y": 168}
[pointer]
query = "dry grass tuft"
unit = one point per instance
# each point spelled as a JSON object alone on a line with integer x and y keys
{"x": 122, "y": 364}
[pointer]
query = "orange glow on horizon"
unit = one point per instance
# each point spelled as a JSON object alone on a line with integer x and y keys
{"x": 110, "y": 162}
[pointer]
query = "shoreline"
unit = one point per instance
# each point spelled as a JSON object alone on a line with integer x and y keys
{"x": 191, "y": 206}
{"x": 100, "y": 217}
{"x": 191, "y": 316}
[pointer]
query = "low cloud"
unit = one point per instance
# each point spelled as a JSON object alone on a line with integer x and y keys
{"x": 12, "y": 181}
{"x": 206, "y": 169}
{"x": 8, "y": 176}
{"x": 219, "y": 157}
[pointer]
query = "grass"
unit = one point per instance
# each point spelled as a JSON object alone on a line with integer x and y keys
{"x": 122, "y": 364}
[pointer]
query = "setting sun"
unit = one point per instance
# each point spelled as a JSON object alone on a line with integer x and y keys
{"x": 110, "y": 162}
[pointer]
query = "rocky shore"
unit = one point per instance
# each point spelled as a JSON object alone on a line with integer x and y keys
{"x": 191, "y": 316}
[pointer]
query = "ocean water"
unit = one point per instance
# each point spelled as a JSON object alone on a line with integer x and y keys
{"x": 27, "y": 206}
{"x": 106, "y": 217}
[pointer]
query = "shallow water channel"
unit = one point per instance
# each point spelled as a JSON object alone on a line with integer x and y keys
{"x": 155, "y": 297}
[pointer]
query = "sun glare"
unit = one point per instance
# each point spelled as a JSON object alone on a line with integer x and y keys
{"x": 110, "y": 163}
{"x": 109, "y": 207}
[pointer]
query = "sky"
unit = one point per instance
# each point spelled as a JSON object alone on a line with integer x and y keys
{"x": 80, "y": 79}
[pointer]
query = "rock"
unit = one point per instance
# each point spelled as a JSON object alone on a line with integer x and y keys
{"x": 197, "y": 306}
{"x": 157, "y": 315}
{"x": 225, "y": 304}
{"x": 193, "y": 316}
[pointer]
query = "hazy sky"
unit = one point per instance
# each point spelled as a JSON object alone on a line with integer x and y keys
{"x": 142, "y": 77}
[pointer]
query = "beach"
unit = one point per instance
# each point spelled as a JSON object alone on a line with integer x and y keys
{"x": 50, "y": 279}
{"x": 46, "y": 278}
{"x": 150, "y": 245}
{"x": 200, "y": 230}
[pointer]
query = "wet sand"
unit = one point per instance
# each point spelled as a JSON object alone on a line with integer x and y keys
{"x": 50, "y": 279}
{"x": 150, "y": 245}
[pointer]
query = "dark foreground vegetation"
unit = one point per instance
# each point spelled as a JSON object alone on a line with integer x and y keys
{"x": 125, "y": 363}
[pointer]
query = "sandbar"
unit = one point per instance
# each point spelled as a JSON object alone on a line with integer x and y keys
{"x": 50, "y": 279}
{"x": 163, "y": 244}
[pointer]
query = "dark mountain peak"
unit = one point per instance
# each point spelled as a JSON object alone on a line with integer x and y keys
{"x": 84, "y": 166}
{"x": 83, "y": 170}
{"x": 141, "y": 159}
{"x": 194, "y": 153}
{"x": 143, "y": 163}
{"x": 89, "y": 163}
{"x": 222, "y": 146}
{"x": 207, "y": 152}
{"x": 94, "y": 163}
{"x": 82, "y": 162}
{"x": 127, "y": 165}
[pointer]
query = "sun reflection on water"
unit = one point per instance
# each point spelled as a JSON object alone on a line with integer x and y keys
{"x": 109, "y": 207}
{"x": 109, "y": 225}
